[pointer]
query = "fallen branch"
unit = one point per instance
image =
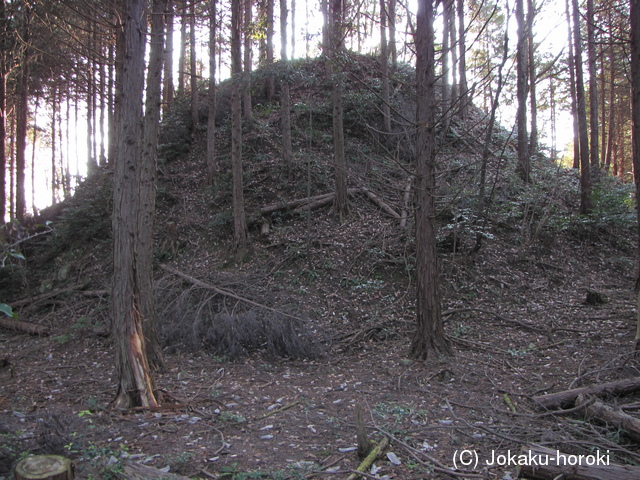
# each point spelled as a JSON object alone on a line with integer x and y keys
{"x": 368, "y": 461}
{"x": 568, "y": 397}
{"x": 136, "y": 471}
{"x": 278, "y": 410}
{"x": 44, "y": 296}
{"x": 220, "y": 291}
{"x": 611, "y": 416}
{"x": 381, "y": 203}
{"x": 548, "y": 464}
{"x": 525, "y": 325}
{"x": 30, "y": 328}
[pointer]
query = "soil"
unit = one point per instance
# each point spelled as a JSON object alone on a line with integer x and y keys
{"x": 516, "y": 315}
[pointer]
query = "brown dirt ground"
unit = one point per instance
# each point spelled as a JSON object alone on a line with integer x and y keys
{"x": 515, "y": 314}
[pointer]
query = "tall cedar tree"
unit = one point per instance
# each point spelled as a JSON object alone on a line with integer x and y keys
{"x": 384, "y": 68}
{"x": 167, "y": 77}
{"x": 340, "y": 203}
{"x": 593, "y": 93}
{"x": 248, "y": 59}
{"x": 635, "y": 102}
{"x": 193, "y": 65}
{"x": 3, "y": 110}
{"x": 429, "y": 338}
{"x": 240, "y": 235}
{"x": 212, "y": 166}
{"x": 583, "y": 132}
{"x": 148, "y": 183}
{"x": 135, "y": 384}
{"x": 524, "y": 163}
{"x": 572, "y": 87}
{"x": 285, "y": 95}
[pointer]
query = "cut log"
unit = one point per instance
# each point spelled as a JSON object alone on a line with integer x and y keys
{"x": 30, "y": 328}
{"x": 44, "y": 467}
{"x": 568, "y": 397}
{"x": 381, "y": 203}
{"x": 371, "y": 457}
{"x": 611, "y": 416}
{"x": 546, "y": 464}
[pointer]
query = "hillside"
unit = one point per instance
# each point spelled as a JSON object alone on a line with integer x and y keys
{"x": 270, "y": 349}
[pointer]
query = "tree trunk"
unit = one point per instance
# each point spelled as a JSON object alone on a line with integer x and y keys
{"x": 566, "y": 398}
{"x": 271, "y": 83}
{"x": 248, "y": 58}
{"x": 54, "y": 111}
{"x": 239, "y": 222}
{"x": 22, "y": 119}
{"x": 533, "y": 135}
{"x": 462, "y": 62}
{"x": 594, "y": 152}
{"x": 285, "y": 95}
{"x": 384, "y": 69}
{"x": 583, "y": 132}
{"x": 135, "y": 385}
{"x": 340, "y": 204}
{"x": 523, "y": 168}
{"x": 212, "y": 166}
{"x": 635, "y": 136}
{"x": 3, "y": 112}
{"x": 182, "y": 58}
{"x": 168, "y": 89}
{"x": 148, "y": 184}
{"x": 572, "y": 87}
{"x": 195, "y": 114}
{"x": 393, "y": 49}
{"x": 429, "y": 339}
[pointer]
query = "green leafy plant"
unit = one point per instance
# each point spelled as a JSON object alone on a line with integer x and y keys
{"x": 7, "y": 310}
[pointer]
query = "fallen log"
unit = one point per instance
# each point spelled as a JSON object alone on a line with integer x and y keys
{"x": 568, "y": 397}
{"x": 18, "y": 326}
{"x": 293, "y": 203}
{"x": 611, "y": 416}
{"x": 542, "y": 463}
{"x": 381, "y": 203}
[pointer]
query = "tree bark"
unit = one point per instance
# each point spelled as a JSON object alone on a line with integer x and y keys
{"x": 22, "y": 119}
{"x": 212, "y": 166}
{"x": 572, "y": 88}
{"x": 523, "y": 167}
{"x": 635, "y": 136}
{"x": 285, "y": 95}
{"x": 594, "y": 152}
{"x": 135, "y": 384}
{"x": 248, "y": 58}
{"x": 583, "y": 132}
{"x": 167, "y": 77}
{"x": 384, "y": 69}
{"x": 533, "y": 135}
{"x": 3, "y": 111}
{"x": 462, "y": 62}
{"x": 240, "y": 235}
{"x": 271, "y": 84}
{"x": 148, "y": 183}
{"x": 429, "y": 339}
{"x": 340, "y": 203}
{"x": 193, "y": 74}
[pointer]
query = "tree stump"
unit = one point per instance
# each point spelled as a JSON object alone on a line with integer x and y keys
{"x": 44, "y": 467}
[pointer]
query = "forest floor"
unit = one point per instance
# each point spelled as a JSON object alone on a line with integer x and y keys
{"x": 515, "y": 314}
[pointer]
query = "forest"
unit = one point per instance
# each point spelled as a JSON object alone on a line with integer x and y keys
{"x": 383, "y": 239}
